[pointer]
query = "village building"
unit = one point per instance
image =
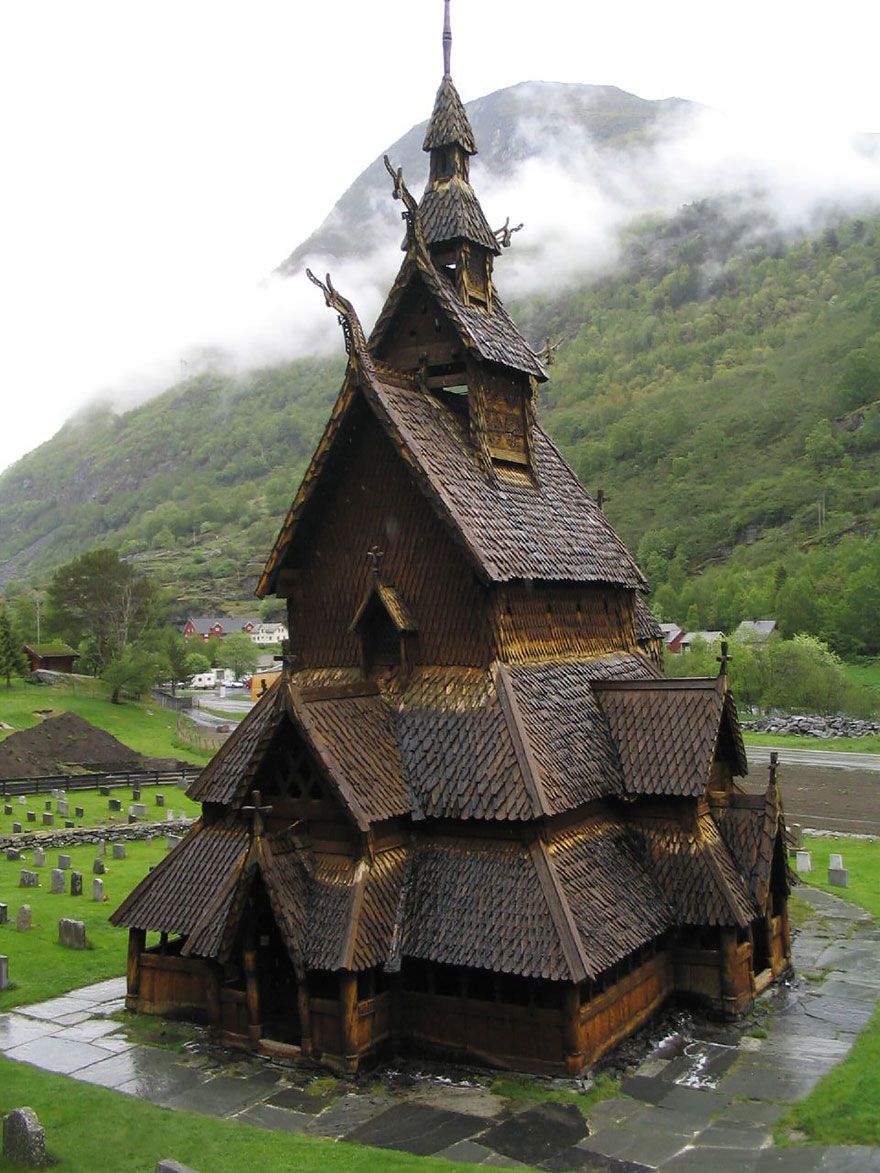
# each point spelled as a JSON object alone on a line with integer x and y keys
{"x": 755, "y": 630}
{"x": 51, "y": 657}
{"x": 471, "y": 818}
{"x": 207, "y": 627}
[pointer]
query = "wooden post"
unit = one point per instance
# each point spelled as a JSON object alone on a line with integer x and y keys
{"x": 212, "y": 994}
{"x": 728, "y": 968}
{"x": 348, "y": 1004}
{"x": 252, "y": 990}
{"x": 305, "y": 1014}
{"x": 572, "y": 1044}
{"x": 137, "y": 942}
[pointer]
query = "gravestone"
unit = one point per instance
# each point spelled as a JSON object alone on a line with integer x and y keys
{"x": 119, "y": 851}
{"x": 803, "y": 862}
{"x": 102, "y": 847}
{"x": 69, "y": 824}
{"x": 79, "y": 812}
{"x": 23, "y": 918}
{"x": 138, "y": 809}
{"x": 63, "y": 808}
{"x": 12, "y": 854}
{"x": 169, "y": 816}
{"x": 29, "y": 879}
{"x": 59, "y": 882}
{"x": 4, "y": 972}
{"x": 114, "y": 804}
{"x": 72, "y": 933}
{"x": 39, "y": 857}
{"x": 171, "y": 841}
{"x": 24, "y": 1142}
{"x": 48, "y": 804}
{"x": 160, "y": 800}
{"x": 98, "y": 891}
{"x": 99, "y": 868}
{"x": 136, "y": 794}
{"x": 64, "y": 862}
{"x": 7, "y": 808}
{"x": 59, "y": 793}
{"x": 31, "y": 816}
{"x": 838, "y": 876}
{"x": 76, "y": 883}
{"x": 132, "y": 819}
{"x": 4, "y": 914}
{"x": 21, "y": 800}
{"x": 104, "y": 791}
{"x": 48, "y": 819}
{"x": 796, "y": 835}
{"x": 168, "y": 1165}
{"x": 16, "y": 828}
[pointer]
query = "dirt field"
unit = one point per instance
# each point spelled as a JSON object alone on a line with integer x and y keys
{"x": 64, "y": 741}
{"x": 828, "y": 800}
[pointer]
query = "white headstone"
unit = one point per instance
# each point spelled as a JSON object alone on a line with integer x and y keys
{"x": 835, "y": 860}
{"x": 838, "y": 877}
{"x": 21, "y": 800}
{"x": 803, "y": 862}
{"x": 98, "y": 891}
{"x": 4, "y": 972}
{"x": 39, "y": 857}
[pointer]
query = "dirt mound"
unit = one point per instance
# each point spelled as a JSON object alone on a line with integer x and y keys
{"x": 64, "y": 742}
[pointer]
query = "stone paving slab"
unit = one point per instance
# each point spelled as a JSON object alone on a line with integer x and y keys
{"x": 222, "y": 1096}
{"x": 277, "y": 1119}
{"x": 15, "y": 1030}
{"x": 538, "y": 1133}
{"x": 63, "y": 1056}
{"x": 417, "y": 1129}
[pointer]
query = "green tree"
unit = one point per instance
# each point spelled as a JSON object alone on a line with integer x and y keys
{"x": 240, "y": 653}
{"x": 98, "y": 596}
{"x": 12, "y": 662}
{"x": 176, "y": 653}
{"x": 133, "y": 673}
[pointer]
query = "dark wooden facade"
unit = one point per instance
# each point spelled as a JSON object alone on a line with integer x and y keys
{"x": 471, "y": 817}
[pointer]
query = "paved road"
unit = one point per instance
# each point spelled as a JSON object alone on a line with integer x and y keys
{"x": 825, "y": 759}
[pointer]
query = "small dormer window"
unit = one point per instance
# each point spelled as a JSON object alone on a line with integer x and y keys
{"x": 387, "y": 632}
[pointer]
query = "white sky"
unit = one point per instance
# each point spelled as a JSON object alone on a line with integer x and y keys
{"x": 159, "y": 159}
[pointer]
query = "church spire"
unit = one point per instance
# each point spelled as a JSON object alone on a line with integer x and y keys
{"x": 447, "y": 40}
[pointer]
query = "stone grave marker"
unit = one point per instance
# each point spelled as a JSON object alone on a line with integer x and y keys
{"x": 169, "y": 1165}
{"x": 64, "y": 862}
{"x": 132, "y": 819}
{"x": 21, "y": 800}
{"x": 135, "y": 793}
{"x": 12, "y": 854}
{"x": 7, "y": 808}
{"x": 4, "y": 914}
{"x": 23, "y": 918}
{"x": 138, "y": 809}
{"x": 69, "y": 824}
{"x": 838, "y": 876}
{"x": 63, "y": 808}
{"x": 59, "y": 882}
{"x": 102, "y": 847}
{"x": 114, "y": 804}
{"x": 24, "y": 1142}
{"x": 796, "y": 835}
{"x": 39, "y": 857}
{"x": 119, "y": 851}
{"x": 76, "y": 883}
{"x": 31, "y": 816}
{"x": 16, "y": 828}
{"x": 59, "y": 793}
{"x": 169, "y": 816}
{"x": 99, "y": 868}
{"x": 48, "y": 804}
{"x": 79, "y": 812}
{"x": 835, "y": 860}
{"x": 29, "y": 879}
{"x": 48, "y": 819}
{"x": 160, "y": 800}
{"x": 72, "y": 933}
{"x": 104, "y": 791}
{"x": 4, "y": 972}
{"x": 803, "y": 862}
{"x": 98, "y": 891}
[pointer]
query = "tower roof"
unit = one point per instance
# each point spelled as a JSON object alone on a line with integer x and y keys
{"x": 449, "y": 123}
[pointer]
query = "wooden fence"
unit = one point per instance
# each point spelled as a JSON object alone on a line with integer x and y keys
{"x": 49, "y": 782}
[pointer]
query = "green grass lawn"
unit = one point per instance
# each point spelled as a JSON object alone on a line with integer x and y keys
{"x": 38, "y": 965}
{"x": 142, "y": 725}
{"x": 89, "y": 1128}
{"x": 844, "y": 1107}
{"x": 841, "y": 744}
{"x": 96, "y": 807}
{"x": 865, "y": 672}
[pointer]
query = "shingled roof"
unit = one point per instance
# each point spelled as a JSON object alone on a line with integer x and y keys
{"x": 451, "y": 211}
{"x": 751, "y": 825}
{"x": 449, "y": 122}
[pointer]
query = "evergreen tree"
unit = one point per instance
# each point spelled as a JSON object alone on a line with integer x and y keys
{"x": 12, "y": 661}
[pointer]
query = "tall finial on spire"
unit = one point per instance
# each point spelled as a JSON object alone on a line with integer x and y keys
{"x": 447, "y": 40}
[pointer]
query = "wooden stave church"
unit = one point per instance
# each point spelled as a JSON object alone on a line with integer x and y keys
{"x": 472, "y": 818}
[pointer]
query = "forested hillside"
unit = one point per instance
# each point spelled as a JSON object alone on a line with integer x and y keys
{"x": 723, "y": 387}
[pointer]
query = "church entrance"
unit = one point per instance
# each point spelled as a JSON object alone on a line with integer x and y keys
{"x": 276, "y": 977}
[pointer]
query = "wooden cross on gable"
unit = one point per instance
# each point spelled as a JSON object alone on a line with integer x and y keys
{"x": 724, "y": 659}
{"x": 257, "y": 813}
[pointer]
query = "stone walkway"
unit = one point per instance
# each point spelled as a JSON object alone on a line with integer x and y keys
{"x": 702, "y": 1100}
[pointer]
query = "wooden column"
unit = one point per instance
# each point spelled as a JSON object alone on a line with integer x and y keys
{"x": 305, "y": 1014}
{"x": 137, "y": 943}
{"x": 572, "y": 1042}
{"x": 348, "y": 1005}
{"x": 212, "y": 993}
{"x": 728, "y": 954}
{"x": 252, "y": 989}
{"x": 768, "y": 931}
